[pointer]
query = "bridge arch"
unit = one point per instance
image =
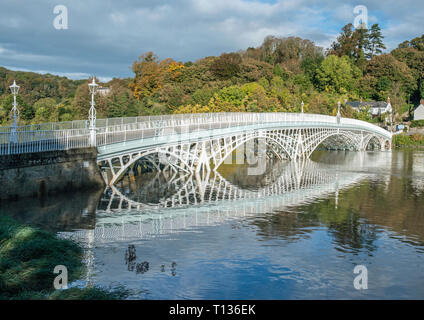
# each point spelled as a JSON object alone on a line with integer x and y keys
{"x": 352, "y": 138}
{"x": 242, "y": 140}
{"x": 383, "y": 144}
{"x": 116, "y": 176}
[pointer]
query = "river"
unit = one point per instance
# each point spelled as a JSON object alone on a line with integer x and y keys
{"x": 295, "y": 232}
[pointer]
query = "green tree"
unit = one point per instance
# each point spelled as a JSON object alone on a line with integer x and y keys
{"x": 45, "y": 111}
{"x": 414, "y": 59}
{"x": 279, "y": 71}
{"x": 233, "y": 95}
{"x": 349, "y": 43}
{"x": 337, "y": 75}
{"x": 359, "y": 43}
{"x": 376, "y": 45}
{"x": 418, "y": 43}
{"x": 386, "y": 68}
{"x": 26, "y": 111}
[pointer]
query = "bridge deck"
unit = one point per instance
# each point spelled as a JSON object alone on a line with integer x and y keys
{"x": 206, "y": 131}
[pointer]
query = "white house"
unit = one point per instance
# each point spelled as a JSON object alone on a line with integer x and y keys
{"x": 419, "y": 112}
{"x": 376, "y": 107}
{"x": 103, "y": 91}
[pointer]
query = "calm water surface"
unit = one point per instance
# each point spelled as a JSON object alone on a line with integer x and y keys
{"x": 295, "y": 232}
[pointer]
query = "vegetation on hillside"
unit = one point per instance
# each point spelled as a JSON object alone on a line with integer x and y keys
{"x": 275, "y": 76}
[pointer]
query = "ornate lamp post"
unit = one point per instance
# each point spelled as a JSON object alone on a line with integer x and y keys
{"x": 92, "y": 113}
{"x": 338, "y": 111}
{"x": 390, "y": 109}
{"x": 14, "y": 88}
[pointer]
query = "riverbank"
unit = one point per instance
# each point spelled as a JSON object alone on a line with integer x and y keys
{"x": 408, "y": 141}
{"x": 28, "y": 257}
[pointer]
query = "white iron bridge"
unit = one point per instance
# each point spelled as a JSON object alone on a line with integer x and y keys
{"x": 194, "y": 142}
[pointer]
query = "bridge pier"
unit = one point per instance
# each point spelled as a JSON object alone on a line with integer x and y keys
{"x": 43, "y": 173}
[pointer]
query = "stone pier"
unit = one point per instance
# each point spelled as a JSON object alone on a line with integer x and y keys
{"x": 46, "y": 173}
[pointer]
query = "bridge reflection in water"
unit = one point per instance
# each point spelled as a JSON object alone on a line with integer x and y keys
{"x": 170, "y": 203}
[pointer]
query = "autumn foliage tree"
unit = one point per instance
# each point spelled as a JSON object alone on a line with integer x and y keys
{"x": 226, "y": 66}
{"x": 148, "y": 75}
{"x": 151, "y": 74}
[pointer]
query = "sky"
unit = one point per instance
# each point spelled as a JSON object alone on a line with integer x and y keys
{"x": 104, "y": 37}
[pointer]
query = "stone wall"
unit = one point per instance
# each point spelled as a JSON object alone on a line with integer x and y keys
{"x": 44, "y": 173}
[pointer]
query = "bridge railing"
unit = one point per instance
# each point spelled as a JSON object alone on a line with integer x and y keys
{"x": 172, "y": 125}
{"x": 21, "y": 141}
{"x": 76, "y": 134}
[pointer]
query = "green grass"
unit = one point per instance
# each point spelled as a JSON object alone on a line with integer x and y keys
{"x": 28, "y": 257}
{"x": 89, "y": 293}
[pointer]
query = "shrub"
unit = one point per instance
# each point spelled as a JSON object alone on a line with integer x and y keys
{"x": 417, "y": 123}
{"x": 416, "y": 137}
{"x": 402, "y": 140}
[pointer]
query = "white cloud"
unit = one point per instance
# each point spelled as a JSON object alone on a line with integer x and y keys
{"x": 105, "y": 37}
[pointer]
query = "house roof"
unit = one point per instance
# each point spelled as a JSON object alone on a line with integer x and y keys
{"x": 421, "y": 106}
{"x": 372, "y": 104}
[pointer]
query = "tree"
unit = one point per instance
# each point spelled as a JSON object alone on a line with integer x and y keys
{"x": 414, "y": 59}
{"x": 386, "y": 68}
{"x": 363, "y": 114}
{"x": 361, "y": 39}
{"x": 81, "y": 102}
{"x": 345, "y": 44}
{"x": 26, "y": 111}
{"x": 280, "y": 72}
{"x": 226, "y": 66}
{"x": 358, "y": 44}
{"x": 418, "y": 43}
{"x": 337, "y": 75}
{"x": 65, "y": 111}
{"x": 232, "y": 94}
{"x": 289, "y": 52}
{"x": 148, "y": 75}
{"x": 310, "y": 66}
{"x": 376, "y": 45}
{"x": 202, "y": 96}
{"x": 45, "y": 111}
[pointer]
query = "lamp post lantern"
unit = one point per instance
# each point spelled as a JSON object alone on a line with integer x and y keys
{"x": 14, "y": 88}
{"x": 92, "y": 113}
{"x": 302, "y": 104}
